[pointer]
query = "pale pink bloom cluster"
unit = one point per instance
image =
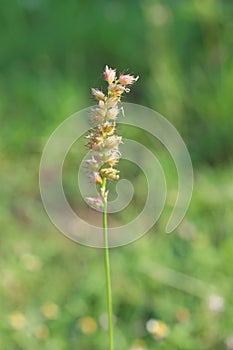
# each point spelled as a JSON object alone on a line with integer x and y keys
{"x": 102, "y": 138}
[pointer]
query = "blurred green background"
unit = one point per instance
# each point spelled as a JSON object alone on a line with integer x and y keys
{"x": 52, "y": 292}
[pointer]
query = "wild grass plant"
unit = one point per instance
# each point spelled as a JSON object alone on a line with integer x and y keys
{"x": 104, "y": 143}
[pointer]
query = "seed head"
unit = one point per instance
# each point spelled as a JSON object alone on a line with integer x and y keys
{"x": 103, "y": 140}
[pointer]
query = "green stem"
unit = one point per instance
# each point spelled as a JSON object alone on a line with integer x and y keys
{"x": 107, "y": 276}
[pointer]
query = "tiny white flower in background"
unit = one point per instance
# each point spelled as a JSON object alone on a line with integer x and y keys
{"x": 216, "y": 303}
{"x": 103, "y": 320}
{"x": 157, "y": 328}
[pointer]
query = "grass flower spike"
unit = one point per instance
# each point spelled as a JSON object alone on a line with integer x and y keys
{"x": 104, "y": 143}
{"x": 103, "y": 140}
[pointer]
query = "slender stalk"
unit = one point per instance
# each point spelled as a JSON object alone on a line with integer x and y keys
{"x": 104, "y": 142}
{"x": 107, "y": 276}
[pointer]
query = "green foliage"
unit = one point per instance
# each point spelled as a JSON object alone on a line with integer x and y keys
{"x": 166, "y": 277}
{"x": 51, "y": 53}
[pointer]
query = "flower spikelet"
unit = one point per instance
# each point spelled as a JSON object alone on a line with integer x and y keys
{"x": 103, "y": 140}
